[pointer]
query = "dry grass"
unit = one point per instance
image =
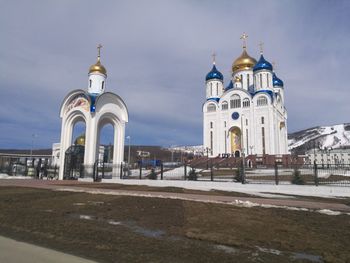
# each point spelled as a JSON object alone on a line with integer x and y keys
{"x": 164, "y": 230}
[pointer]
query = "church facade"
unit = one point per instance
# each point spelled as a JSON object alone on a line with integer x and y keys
{"x": 249, "y": 115}
{"x": 95, "y": 107}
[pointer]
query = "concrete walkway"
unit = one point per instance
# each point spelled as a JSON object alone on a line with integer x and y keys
{"x": 12, "y": 251}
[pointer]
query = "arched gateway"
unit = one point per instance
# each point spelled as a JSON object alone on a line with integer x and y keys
{"x": 95, "y": 108}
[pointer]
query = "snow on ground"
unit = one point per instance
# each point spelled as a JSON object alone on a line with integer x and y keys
{"x": 236, "y": 202}
{"x": 6, "y": 176}
{"x": 253, "y": 189}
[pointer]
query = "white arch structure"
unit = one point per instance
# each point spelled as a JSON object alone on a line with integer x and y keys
{"x": 109, "y": 109}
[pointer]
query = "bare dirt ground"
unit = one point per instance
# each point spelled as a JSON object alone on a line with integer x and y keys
{"x": 121, "y": 228}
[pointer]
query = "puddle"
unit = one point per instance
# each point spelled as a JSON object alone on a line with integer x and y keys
{"x": 112, "y": 222}
{"x": 85, "y": 217}
{"x": 78, "y": 204}
{"x": 96, "y": 202}
{"x": 269, "y": 250}
{"x": 303, "y": 256}
{"x": 143, "y": 231}
{"x": 226, "y": 249}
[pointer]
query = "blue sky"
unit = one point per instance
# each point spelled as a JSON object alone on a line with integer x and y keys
{"x": 157, "y": 54}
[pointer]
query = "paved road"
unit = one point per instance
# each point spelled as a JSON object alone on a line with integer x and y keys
{"x": 12, "y": 251}
{"x": 79, "y": 186}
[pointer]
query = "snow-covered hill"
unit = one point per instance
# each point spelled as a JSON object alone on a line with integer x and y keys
{"x": 335, "y": 136}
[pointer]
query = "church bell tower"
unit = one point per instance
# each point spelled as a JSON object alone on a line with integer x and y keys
{"x": 97, "y": 76}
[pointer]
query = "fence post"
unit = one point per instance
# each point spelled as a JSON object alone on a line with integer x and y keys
{"x": 211, "y": 171}
{"x": 94, "y": 172}
{"x": 276, "y": 174}
{"x": 161, "y": 171}
{"x": 121, "y": 170}
{"x": 315, "y": 173}
{"x": 140, "y": 170}
{"x": 243, "y": 172}
{"x": 185, "y": 171}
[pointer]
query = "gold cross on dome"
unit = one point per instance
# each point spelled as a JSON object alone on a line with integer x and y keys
{"x": 99, "y": 49}
{"x": 214, "y": 57}
{"x": 261, "y": 45}
{"x": 244, "y": 37}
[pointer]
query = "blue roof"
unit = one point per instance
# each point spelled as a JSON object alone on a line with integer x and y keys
{"x": 214, "y": 99}
{"x": 262, "y": 64}
{"x": 276, "y": 81}
{"x": 230, "y": 85}
{"x": 214, "y": 74}
{"x": 93, "y": 100}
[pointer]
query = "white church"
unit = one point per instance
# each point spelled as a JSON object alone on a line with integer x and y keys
{"x": 247, "y": 117}
{"x": 95, "y": 107}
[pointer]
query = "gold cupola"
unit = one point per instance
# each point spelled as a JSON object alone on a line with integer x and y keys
{"x": 98, "y": 67}
{"x": 244, "y": 61}
{"x": 80, "y": 140}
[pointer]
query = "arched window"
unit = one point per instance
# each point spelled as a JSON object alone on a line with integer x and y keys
{"x": 211, "y": 108}
{"x": 262, "y": 101}
{"x": 260, "y": 80}
{"x": 246, "y": 103}
{"x": 90, "y": 83}
{"x": 103, "y": 84}
{"x": 224, "y": 105}
{"x": 217, "y": 89}
{"x": 211, "y": 125}
{"x": 235, "y": 101}
{"x": 262, "y": 120}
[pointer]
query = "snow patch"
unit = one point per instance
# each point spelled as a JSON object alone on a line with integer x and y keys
{"x": 329, "y": 212}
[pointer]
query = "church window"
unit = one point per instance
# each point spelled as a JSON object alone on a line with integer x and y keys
{"x": 217, "y": 89}
{"x": 90, "y": 83}
{"x": 246, "y": 103}
{"x": 262, "y": 101}
{"x": 235, "y": 101}
{"x": 248, "y": 80}
{"x": 211, "y": 124}
{"x": 260, "y": 80}
{"x": 262, "y": 120}
{"x": 246, "y": 121}
{"x": 211, "y": 89}
{"x": 268, "y": 79}
{"x": 224, "y": 105}
{"x": 103, "y": 84}
{"x": 211, "y": 108}
{"x": 225, "y": 124}
{"x": 211, "y": 143}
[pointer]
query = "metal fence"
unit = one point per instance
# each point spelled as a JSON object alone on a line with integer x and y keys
{"x": 37, "y": 170}
{"x": 293, "y": 174}
{"x": 206, "y": 170}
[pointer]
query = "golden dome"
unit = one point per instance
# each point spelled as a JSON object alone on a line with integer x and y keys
{"x": 98, "y": 67}
{"x": 80, "y": 140}
{"x": 243, "y": 62}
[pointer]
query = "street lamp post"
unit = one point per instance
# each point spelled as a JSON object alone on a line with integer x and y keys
{"x": 129, "y": 138}
{"x": 242, "y": 148}
{"x": 207, "y": 149}
{"x": 32, "y": 146}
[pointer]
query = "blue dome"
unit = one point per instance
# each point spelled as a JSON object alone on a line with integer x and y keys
{"x": 230, "y": 85}
{"x": 262, "y": 64}
{"x": 276, "y": 81}
{"x": 214, "y": 74}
